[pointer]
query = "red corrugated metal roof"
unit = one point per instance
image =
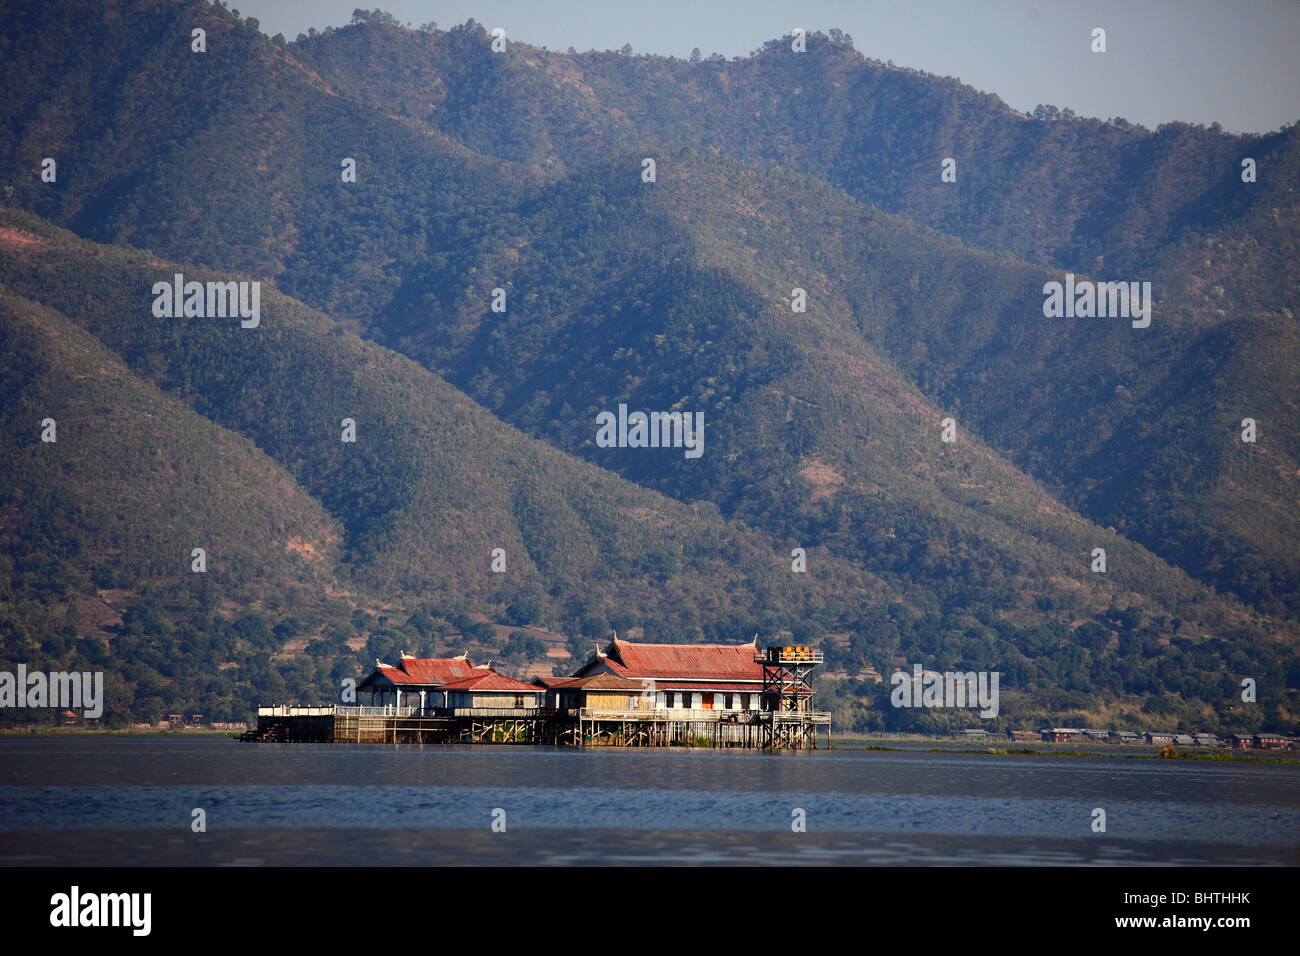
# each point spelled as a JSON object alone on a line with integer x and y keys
{"x": 492, "y": 681}
{"x": 394, "y": 675}
{"x": 601, "y": 681}
{"x": 548, "y": 680}
{"x": 437, "y": 670}
{"x": 426, "y": 671}
{"x": 722, "y": 662}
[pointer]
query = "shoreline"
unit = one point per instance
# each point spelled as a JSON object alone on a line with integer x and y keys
{"x": 1219, "y": 755}
{"x": 876, "y": 743}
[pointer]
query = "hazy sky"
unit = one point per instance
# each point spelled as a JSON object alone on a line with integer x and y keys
{"x": 1192, "y": 60}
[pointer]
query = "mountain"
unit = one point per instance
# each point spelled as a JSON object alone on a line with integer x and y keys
{"x": 407, "y": 517}
{"x": 1060, "y": 192}
{"x": 522, "y": 172}
{"x": 100, "y": 526}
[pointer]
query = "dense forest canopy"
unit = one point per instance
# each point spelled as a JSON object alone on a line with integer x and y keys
{"x": 498, "y": 270}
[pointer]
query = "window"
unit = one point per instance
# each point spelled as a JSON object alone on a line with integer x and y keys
{"x": 519, "y": 700}
{"x": 726, "y": 702}
{"x": 668, "y": 698}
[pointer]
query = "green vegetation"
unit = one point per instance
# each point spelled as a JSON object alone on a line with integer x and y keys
{"x": 407, "y": 515}
{"x": 476, "y": 429}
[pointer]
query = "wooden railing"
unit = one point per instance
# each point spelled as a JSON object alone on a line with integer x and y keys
{"x": 414, "y": 710}
{"x": 811, "y": 716}
{"x": 292, "y": 710}
{"x": 790, "y": 655}
{"x": 666, "y": 713}
{"x": 586, "y": 713}
{"x": 491, "y": 712}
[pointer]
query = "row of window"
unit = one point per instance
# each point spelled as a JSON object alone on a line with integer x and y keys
{"x": 712, "y": 701}
{"x": 435, "y": 700}
{"x": 683, "y": 699}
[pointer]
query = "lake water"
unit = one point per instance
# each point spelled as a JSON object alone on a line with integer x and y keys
{"x": 124, "y": 800}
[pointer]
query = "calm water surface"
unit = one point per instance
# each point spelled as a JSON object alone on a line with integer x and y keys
{"x": 98, "y": 800}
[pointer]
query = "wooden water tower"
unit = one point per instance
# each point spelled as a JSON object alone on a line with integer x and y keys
{"x": 787, "y": 696}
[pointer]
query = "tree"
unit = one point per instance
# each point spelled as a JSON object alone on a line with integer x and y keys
{"x": 522, "y": 644}
{"x": 696, "y": 55}
{"x": 627, "y": 49}
{"x": 374, "y": 16}
{"x": 421, "y": 622}
{"x": 522, "y": 612}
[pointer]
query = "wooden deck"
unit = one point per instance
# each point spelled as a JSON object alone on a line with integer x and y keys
{"x": 579, "y": 728}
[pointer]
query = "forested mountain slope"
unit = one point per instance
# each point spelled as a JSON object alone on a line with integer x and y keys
{"x": 796, "y": 272}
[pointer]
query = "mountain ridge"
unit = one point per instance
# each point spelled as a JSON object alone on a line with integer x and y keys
{"x": 773, "y": 173}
